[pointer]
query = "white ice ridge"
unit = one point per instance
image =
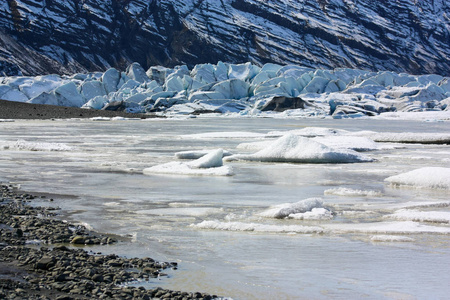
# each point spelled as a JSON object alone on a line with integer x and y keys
{"x": 420, "y": 216}
{"x": 256, "y": 227}
{"x": 240, "y": 89}
{"x": 34, "y": 146}
{"x": 429, "y": 177}
{"x": 299, "y": 210}
{"x": 343, "y": 191}
{"x": 210, "y": 164}
{"x": 296, "y": 149}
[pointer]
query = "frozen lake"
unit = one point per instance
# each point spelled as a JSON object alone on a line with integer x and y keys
{"x": 362, "y": 238}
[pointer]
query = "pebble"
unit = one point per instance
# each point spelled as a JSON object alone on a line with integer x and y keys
{"x": 60, "y": 272}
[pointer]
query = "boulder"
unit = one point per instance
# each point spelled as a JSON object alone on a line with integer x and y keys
{"x": 282, "y": 103}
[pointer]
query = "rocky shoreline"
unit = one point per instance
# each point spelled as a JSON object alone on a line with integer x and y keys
{"x": 19, "y": 110}
{"x": 41, "y": 258}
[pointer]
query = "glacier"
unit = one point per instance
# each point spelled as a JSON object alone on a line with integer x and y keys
{"x": 237, "y": 89}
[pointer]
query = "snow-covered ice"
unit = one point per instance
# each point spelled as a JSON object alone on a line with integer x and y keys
{"x": 257, "y": 227}
{"x": 428, "y": 177}
{"x": 210, "y": 164}
{"x": 286, "y": 209}
{"x": 296, "y": 149}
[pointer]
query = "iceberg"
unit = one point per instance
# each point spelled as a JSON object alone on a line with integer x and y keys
{"x": 428, "y": 177}
{"x": 296, "y": 149}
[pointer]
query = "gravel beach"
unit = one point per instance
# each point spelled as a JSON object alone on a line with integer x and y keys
{"x": 20, "y": 110}
{"x": 42, "y": 257}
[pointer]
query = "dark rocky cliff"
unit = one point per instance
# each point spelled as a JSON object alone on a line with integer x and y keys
{"x": 67, "y": 36}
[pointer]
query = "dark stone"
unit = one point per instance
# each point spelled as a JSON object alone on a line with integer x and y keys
{"x": 282, "y": 103}
{"x": 45, "y": 263}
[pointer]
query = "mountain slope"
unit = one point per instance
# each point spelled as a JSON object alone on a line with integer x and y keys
{"x": 67, "y": 36}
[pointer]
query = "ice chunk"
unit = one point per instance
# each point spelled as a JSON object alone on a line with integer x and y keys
{"x": 429, "y": 177}
{"x": 317, "y": 213}
{"x": 110, "y": 80}
{"x": 92, "y": 89}
{"x": 196, "y": 154}
{"x": 281, "y": 211}
{"x": 34, "y": 146}
{"x": 96, "y": 103}
{"x": 67, "y": 94}
{"x": 211, "y": 160}
{"x": 343, "y": 191}
{"x": 243, "y": 72}
{"x": 45, "y": 98}
{"x": 12, "y": 94}
{"x": 232, "y": 89}
{"x": 136, "y": 72}
{"x": 295, "y": 149}
{"x": 240, "y": 226}
{"x": 210, "y": 164}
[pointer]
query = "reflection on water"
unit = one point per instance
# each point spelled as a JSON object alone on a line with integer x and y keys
{"x": 360, "y": 252}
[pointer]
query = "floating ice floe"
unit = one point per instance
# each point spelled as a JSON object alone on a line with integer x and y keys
{"x": 210, "y": 164}
{"x": 391, "y": 238}
{"x": 224, "y": 135}
{"x": 34, "y": 146}
{"x": 420, "y": 216}
{"x": 317, "y": 213}
{"x": 256, "y": 227}
{"x": 406, "y": 137}
{"x": 284, "y": 210}
{"x": 348, "y": 192}
{"x": 429, "y": 177}
{"x": 295, "y": 149}
{"x": 396, "y": 227}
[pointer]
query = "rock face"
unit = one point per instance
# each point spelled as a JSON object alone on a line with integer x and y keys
{"x": 69, "y": 36}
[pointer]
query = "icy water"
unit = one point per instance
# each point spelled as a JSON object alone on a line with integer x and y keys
{"x": 212, "y": 225}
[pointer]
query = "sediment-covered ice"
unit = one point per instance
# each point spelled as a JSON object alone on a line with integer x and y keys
{"x": 296, "y": 149}
{"x": 348, "y": 192}
{"x": 210, "y": 164}
{"x": 256, "y": 227}
{"x": 34, "y": 146}
{"x": 284, "y": 210}
{"x": 429, "y": 177}
{"x": 420, "y": 216}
